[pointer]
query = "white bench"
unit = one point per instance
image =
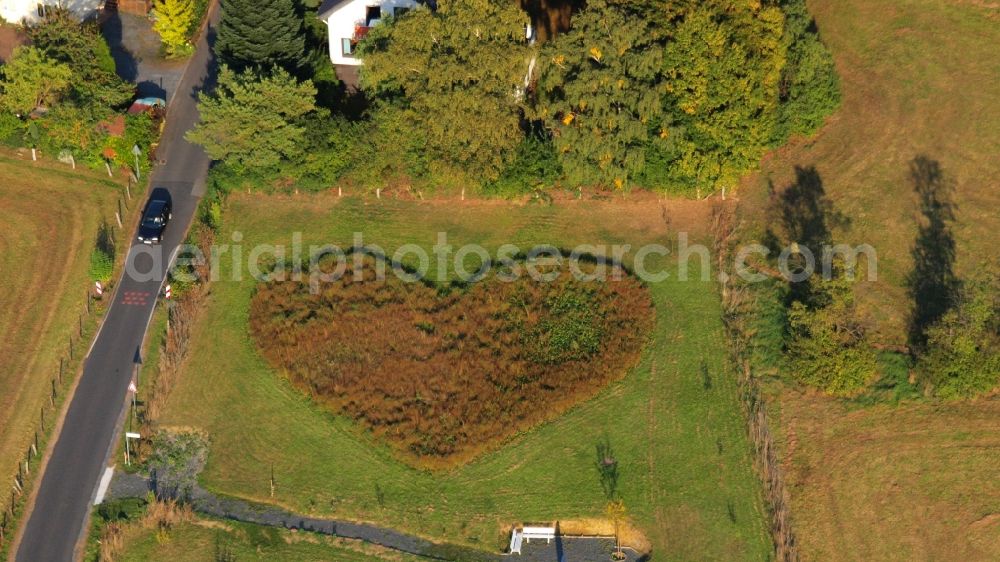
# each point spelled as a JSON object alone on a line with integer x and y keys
{"x": 516, "y": 538}
{"x": 547, "y": 533}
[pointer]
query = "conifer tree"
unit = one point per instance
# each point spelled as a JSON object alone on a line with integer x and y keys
{"x": 253, "y": 122}
{"x": 810, "y": 88}
{"x": 173, "y": 22}
{"x": 260, "y": 34}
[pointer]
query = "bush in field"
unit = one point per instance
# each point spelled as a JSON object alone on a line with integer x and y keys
{"x": 101, "y": 266}
{"x": 443, "y": 373}
{"x": 827, "y": 346}
{"x": 963, "y": 347}
{"x": 102, "y": 258}
{"x": 177, "y": 459}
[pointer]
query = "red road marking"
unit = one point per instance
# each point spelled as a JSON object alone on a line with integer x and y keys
{"x": 135, "y": 298}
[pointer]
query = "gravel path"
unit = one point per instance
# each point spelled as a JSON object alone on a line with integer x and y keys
{"x": 564, "y": 549}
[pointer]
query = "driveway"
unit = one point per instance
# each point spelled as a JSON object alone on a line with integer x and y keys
{"x": 136, "y": 50}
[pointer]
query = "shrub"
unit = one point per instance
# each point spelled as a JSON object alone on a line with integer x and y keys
{"x": 535, "y": 166}
{"x": 177, "y": 459}
{"x": 101, "y": 265}
{"x": 174, "y": 19}
{"x": 10, "y": 128}
{"x": 128, "y": 509}
{"x": 963, "y": 348}
{"x": 827, "y": 346}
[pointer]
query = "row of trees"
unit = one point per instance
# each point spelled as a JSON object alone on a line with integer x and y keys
{"x": 61, "y": 94}
{"x": 681, "y": 96}
{"x": 954, "y": 341}
{"x": 669, "y": 95}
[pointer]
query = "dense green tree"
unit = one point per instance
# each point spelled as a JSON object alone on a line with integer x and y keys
{"x": 63, "y": 37}
{"x": 251, "y": 120}
{"x": 828, "y": 346}
{"x": 82, "y": 47}
{"x": 962, "y": 357}
{"x": 30, "y": 79}
{"x": 809, "y": 88}
{"x": 454, "y": 73}
{"x": 597, "y": 92}
{"x": 722, "y": 67}
{"x": 261, "y": 34}
{"x": 174, "y": 19}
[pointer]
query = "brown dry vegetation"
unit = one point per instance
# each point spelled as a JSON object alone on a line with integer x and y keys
{"x": 444, "y": 373}
{"x": 160, "y": 516}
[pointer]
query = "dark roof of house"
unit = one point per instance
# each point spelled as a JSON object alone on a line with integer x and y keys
{"x": 328, "y": 6}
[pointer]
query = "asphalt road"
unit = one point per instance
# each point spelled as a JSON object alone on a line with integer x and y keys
{"x": 56, "y": 526}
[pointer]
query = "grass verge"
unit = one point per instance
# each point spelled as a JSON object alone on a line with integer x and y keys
{"x": 45, "y": 253}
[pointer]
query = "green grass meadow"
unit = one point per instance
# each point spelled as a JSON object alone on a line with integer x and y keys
{"x": 685, "y": 467}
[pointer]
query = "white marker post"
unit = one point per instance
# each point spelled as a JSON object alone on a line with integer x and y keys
{"x": 134, "y": 390}
{"x": 129, "y": 435}
{"x": 136, "y": 152}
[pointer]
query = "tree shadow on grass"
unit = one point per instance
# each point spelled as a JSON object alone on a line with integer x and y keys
{"x": 805, "y": 216}
{"x": 932, "y": 283}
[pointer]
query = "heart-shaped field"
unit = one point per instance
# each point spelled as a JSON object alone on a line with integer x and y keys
{"x": 444, "y": 373}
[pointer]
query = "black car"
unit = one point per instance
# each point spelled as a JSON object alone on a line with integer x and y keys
{"x": 155, "y": 217}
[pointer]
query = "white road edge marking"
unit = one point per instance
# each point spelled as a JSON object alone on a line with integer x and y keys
{"x": 102, "y": 489}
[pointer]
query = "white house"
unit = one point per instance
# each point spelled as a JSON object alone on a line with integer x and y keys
{"x": 16, "y": 11}
{"x": 348, "y": 21}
